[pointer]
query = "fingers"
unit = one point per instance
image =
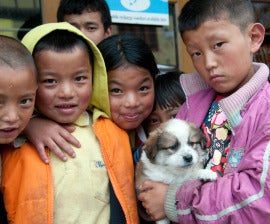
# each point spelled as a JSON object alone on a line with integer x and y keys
{"x": 146, "y": 185}
{"x": 67, "y": 137}
{"x": 42, "y": 153}
{"x": 69, "y": 128}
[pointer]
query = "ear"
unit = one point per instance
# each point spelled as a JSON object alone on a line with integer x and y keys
{"x": 150, "y": 146}
{"x": 256, "y": 32}
{"x": 108, "y": 32}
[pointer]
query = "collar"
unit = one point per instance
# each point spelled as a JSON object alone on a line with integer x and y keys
{"x": 83, "y": 120}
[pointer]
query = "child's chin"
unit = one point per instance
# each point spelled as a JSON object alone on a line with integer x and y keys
{"x": 64, "y": 120}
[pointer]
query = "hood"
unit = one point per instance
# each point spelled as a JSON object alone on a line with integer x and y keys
{"x": 99, "y": 103}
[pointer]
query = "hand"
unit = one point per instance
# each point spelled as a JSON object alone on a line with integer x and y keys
{"x": 153, "y": 196}
{"x": 46, "y": 133}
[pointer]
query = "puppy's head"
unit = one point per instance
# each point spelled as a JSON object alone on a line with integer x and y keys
{"x": 176, "y": 143}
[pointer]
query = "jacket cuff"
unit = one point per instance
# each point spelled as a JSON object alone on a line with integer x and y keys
{"x": 170, "y": 202}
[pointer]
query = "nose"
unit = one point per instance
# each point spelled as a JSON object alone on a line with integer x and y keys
{"x": 210, "y": 61}
{"x": 188, "y": 158}
{"x": 66, "y": 90}
{"x": 10, "y": 114}
{"x": 132, "y": 100}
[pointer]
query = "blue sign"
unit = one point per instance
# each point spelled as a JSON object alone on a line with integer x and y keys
{"x": 151, "y": 12}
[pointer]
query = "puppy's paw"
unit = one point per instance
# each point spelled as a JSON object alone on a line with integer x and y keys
{"x": 207, "y": 175}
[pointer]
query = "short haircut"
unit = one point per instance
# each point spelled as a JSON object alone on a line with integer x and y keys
{"x": 68, "y": 7}
{"x": 168, "y": 90}
{"x": 125, "y": 49}
{"x": 62, "y": 41}
{"x": 195, "y": 12}
{"x": 14, "y": 54}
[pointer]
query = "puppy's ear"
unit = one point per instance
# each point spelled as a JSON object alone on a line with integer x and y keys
{"x": 150, "y": 146}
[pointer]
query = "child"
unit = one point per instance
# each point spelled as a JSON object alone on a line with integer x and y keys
{"x": 17, "y": 88}
{"x": 131, "y": 69}
{"x": 79, "y": 190}
{"x": 92, "y": 17}
{"x": 17, "y": 94}
{"x": 229, "y": 99}
{"x": 169, "y": 97}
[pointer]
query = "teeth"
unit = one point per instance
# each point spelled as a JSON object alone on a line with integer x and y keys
{"x": 65, "y": 106}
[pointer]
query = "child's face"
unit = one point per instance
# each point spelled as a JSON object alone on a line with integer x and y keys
{"x": 64, "y": 84}
{"x": 221, "y": 54}
{"x": 90, "y": 24}
{"x": 131, "y": 91}
{"x": 159, "y": 116}
{"x": 17, "y": 100}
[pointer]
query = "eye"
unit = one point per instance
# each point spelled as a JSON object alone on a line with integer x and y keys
{"x": 153, "y": 121}
{"x": 27, "y": 102}
{"x": 116, "y": 91}
{"x": 144, "y": 88}
{"x": 195, "y": 54}
{"x": 218, "y": 45}
{"x": 91, "y": 28}
{"x": 49, "y": 81}
{"x": 80, "y": 78}
{"x": 194, "y": 144}
{"x": 172, "y": 148}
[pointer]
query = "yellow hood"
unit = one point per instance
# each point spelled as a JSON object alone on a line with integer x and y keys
{"x": 99, "y": 103}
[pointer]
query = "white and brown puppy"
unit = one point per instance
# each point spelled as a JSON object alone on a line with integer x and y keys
{"x": 175, "y": 151}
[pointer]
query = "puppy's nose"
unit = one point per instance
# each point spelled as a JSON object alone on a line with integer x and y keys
{"x": 188, "y": 158}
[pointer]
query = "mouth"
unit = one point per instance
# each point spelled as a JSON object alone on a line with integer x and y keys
{"x": 66, "y": 108}
{"x": 131, "y": 117}
{"x": 63, "y": 106}
{"x": 187, "y": 164}
{"x": 10, "y": 131}
{"x": 216, "y": 78}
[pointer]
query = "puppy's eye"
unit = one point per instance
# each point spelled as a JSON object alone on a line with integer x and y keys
{"x": 173, "y": 147}
{"x": 194, "y": 144}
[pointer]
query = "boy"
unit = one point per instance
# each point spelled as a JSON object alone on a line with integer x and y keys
{"x": 17, "y": 88}
{"x": 17, "y": 94}
{"x": 229, "y": 99}
{"x": 92, "y": 17}
{"x": 77, "y": 191}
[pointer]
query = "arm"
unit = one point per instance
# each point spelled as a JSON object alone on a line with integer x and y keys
{"x": 46, "y": 133}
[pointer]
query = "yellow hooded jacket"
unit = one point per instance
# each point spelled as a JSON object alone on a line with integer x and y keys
{"x": 17, "y": 186}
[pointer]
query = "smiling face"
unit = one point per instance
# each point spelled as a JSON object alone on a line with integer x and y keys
{"x": 131, "y": 91}
{"x": 64, "y": 84}
{"x": 17, "y": 100}
{"x": 222, "y": 54}
{"x": 90, "y": 23}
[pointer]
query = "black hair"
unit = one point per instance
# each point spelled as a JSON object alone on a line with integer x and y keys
{"x": 195, "y": 12}
{"x": 122, "y": 49}
{"x": 168, "y": 90}
{"x": 62, "y": 40}
{"x": 29, "y": 24}
{"x": 68, "y": 7}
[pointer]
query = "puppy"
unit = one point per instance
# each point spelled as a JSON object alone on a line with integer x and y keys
{"x": 175, "y": 151}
